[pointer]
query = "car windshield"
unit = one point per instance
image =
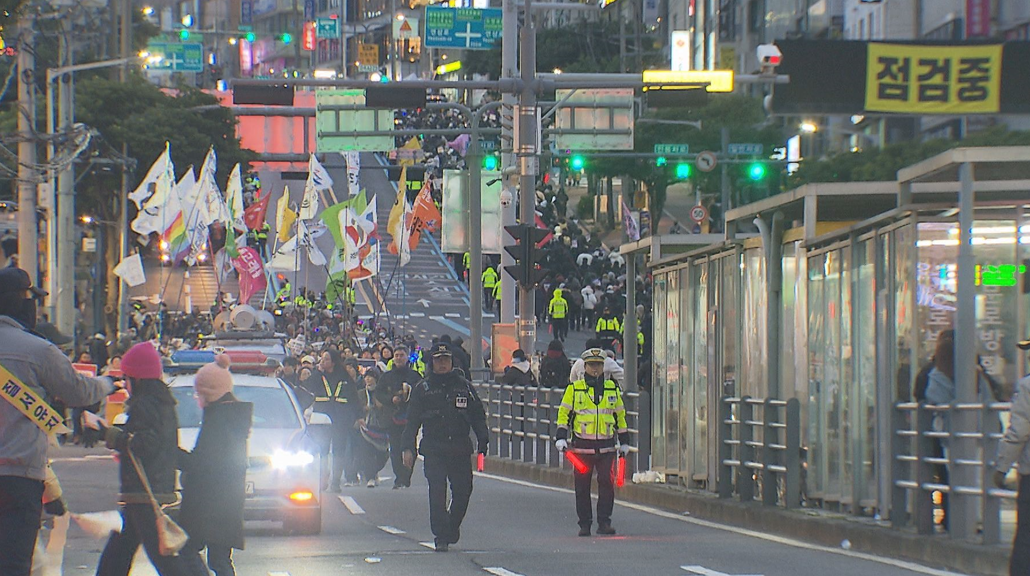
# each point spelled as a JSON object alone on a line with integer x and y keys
{"x": 272, "y": 406}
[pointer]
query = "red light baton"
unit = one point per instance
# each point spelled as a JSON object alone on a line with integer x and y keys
{"x": 480, "y": 461}
{"x": 578, "y": 464}
{"x": 620, "y": 471}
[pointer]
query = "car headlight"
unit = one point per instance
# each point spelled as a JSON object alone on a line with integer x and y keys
{"x": 282, "y": 459}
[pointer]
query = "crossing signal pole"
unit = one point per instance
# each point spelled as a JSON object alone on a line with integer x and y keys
{"x": 526, "y": 255}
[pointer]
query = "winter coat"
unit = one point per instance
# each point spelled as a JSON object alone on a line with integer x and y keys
{"x": 214, "y": 474}
{"x": 554, "y": 370}
{"x": 519, "y": 374}
{"x": 152, "y": 432}
{"x": 446, "y": 408}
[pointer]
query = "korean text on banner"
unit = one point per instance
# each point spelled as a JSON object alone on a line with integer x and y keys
{"x": 31, "y": 405}
{"x": 252, "y": 274}
{"x": 933, "y": 79}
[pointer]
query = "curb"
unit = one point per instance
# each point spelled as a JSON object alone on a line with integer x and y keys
{"x": 937, "y": 552}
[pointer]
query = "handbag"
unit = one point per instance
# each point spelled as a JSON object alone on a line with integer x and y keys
{"x": 170, "y": 536}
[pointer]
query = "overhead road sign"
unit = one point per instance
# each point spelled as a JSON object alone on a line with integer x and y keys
{"x": 706, "y": 161}
{"x": 344, "y": 124}
{"x": 175, "y": 56}
{"x": 594, "y": 119}
{"x": 466, "y": 28}
{"x": 717, "y": 80}
{"x": 749, "y": 149}
{"x": 406, "y": 29}
{"x": 672, "y": 149}
{"x": 327, "y": 28}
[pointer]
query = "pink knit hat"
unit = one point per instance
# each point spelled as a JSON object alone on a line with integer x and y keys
{"x": 214, "y": 380}
{"x": 143, "y": 362}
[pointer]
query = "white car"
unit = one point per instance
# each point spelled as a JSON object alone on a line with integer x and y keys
{"x": 283, "y": 471}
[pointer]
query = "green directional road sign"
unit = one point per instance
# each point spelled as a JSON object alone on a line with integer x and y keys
{"x": 672, "y": 149}
{"x": 327, "y": 28}
{"x": 176, "y": 57}
{"x": 467, "y": 28}
{"x": 744, "y": 149}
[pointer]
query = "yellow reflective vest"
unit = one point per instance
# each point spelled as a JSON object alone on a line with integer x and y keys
{"x": 558, "y": 307}
{"x": 592, "y": 421}
{"x": 608, "y": 325}
{"x": 330, "y": 395}
{"x": 489, "y": 278}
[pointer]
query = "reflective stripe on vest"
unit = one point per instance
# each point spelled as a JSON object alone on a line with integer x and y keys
{"x": 331, "y": 396}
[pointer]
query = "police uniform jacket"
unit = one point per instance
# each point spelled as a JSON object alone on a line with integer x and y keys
{"x": 446, "y": 407}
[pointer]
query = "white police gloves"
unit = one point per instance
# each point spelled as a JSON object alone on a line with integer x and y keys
{"x": 561, "y": 445}
{"x": 624, "y": 449}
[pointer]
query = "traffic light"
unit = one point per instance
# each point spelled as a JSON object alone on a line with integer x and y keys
{"x": 184, "y": 34}
{"x": 250, "y": 37}
{"x": 577, "y": 163}
{"x": 490, "y": 162}
{"x": 682, "y": 170}
{"x": 756, "y": 171}
{"x": 286, "y": 37}
{"x": 661, "y": 161}
{"x": 525, "y": 253}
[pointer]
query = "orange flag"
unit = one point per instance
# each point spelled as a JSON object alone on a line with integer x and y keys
{"x": 424, "y": 214}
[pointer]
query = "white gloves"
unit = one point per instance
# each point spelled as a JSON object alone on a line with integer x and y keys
{"x": 624, "y": 449}
{"x": 561, "y": 445}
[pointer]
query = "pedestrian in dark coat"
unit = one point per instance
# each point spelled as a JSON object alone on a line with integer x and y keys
{"x": 555, "y": 367}
{"x": 151, "y": 433}
{"x": 214, "y": 473}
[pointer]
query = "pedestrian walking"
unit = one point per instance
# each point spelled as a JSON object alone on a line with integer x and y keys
{"x": 519, "y": 372}
{"x": 558, "y": 309}
{"x": 1015, "y": 448}
{"x": 334, "y": 395}
{"x": 393, "y": 390}
{"x": 35, "y": 374}
{"x": 593, "y": 408}
{"x": 214, "y": 473}
{"x": 555, "y": 367}
{"x": 445, "y": 407}
{"x": 150, "y": 436}
{"x": 375, "y": 437}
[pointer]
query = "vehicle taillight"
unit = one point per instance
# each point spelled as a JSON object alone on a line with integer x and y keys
{"x": 301, "y": 496}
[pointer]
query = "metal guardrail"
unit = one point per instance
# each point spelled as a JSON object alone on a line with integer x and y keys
{"x": 523, "y": 420}
{"x": 760, "y": 450}
{"x": 918, "y": 453}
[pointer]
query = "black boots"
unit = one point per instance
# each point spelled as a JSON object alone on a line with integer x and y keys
{"x": 605, "y": 529}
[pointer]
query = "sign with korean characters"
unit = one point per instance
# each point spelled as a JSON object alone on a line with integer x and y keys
{"x": 912, "y": 79}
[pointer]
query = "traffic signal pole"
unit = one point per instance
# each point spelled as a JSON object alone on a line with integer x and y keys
{"x": 509, "y": 178}
{"x": 528, "y": 165}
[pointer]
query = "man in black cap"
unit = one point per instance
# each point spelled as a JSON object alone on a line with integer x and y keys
{"x": 34, "y": 372}
{"x": 445, "y": 406}
{"x": 1014, "y": 448}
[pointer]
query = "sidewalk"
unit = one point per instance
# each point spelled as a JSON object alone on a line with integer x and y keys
{"x": 808, "y": 525}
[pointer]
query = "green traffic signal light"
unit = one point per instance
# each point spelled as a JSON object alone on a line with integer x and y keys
{"x": 756, "y": 171}
{"x": 682, "y": 171}
{"x": 490, "y": 163}
{"x": 184, "y": 34}
{"x": 286, "y": 37}
{"x": 251, "y": 37}
{"x": 577, "y": 163}
{"x": 661, "y": 161}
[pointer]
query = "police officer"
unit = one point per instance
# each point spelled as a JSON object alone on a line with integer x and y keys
{"x": 608, "y": 328}
{"x": 558, "y": 309}
{"x": 593, "y": 408}
{"x": 445, "y": 406}
{"x": 490, "y": 279}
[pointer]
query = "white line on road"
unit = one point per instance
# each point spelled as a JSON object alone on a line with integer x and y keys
{"x": 391, "y": 530}
{"x": 501, "y": 572}
{"x": 278, "y": 574}
{"x": 351, "y": 505}
{"x": 429, "y": 545}
{"x": 417, "y": 314}
{"x": 452, "y": 315}
{"x": 911, "y": 566}
{"x": 706, "y": 572}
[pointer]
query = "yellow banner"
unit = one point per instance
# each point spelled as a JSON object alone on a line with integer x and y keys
{"x": 933, "y": 79}
{"x": 28, "y": 402}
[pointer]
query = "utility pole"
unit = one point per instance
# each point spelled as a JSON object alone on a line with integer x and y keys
{"x": 509, "y": 180}
{"x": 28, "y": 233}
{"x": 123, "y": 200}
{"x": 528, "y": 166}
{"x": 65, "y": 247}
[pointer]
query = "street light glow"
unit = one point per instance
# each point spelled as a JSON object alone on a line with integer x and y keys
{"x": 148, "y": 10}
{"x": 809, "y": 127}
{"x": 87, "y": 219}
{"x": 187, "y": 20}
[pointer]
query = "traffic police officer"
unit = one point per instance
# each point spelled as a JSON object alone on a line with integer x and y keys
{"x": 558, "y": 309}
{"x": 445, "y": 406}
{"x": 490, "y": 280}
{"x": 593, "y": 408}
{"x": 608, "y": 328}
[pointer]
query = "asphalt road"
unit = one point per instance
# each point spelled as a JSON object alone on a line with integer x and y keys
{"x": 512, "y": 529}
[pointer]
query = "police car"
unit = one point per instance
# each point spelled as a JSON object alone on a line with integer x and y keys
{"x": 283, "y": 471}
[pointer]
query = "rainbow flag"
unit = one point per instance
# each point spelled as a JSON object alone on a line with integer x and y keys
{"x": 174, "y": 239}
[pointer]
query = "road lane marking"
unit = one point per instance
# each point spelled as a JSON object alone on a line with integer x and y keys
{"x": 706, "y": 572}
{"x": 496, "y": 571}
{"x": 351, "y": 505}
{"x": 278, "y": 574}
{"x": 430, "y": 545}
{"x": 452, "y": 315}
{"x": 903, "y": 564}
{"x": 417, "y": 314}
{"x": 391, "y": 530}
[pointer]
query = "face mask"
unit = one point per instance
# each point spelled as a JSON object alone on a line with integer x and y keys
{"x": 27, "y": 314}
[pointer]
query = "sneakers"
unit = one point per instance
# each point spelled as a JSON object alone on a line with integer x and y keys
{"x": 371, "y": 483}
{"x": 605, "y": 529}
{"x": 584, "y": 530}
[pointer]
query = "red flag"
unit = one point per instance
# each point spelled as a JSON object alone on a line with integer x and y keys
{"x": 254, "y": 215}
{"x": 252, "y": 273}
{"x": 424, "y": 214}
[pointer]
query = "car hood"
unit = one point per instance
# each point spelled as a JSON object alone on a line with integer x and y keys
{"x": 262, "y": 441}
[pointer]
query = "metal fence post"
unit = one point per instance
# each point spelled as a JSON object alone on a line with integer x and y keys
{"x": 991, "y": 512}
{"x": 770, "y": 456}
{"x": 517, "y": 422}
{"x": 504, "y": 409}
{"x": 543, "y": 425}
{"x": 724, "y": 481}
{"x": 644, "y": 428}
{"x": 553, "y": 457}
{"x": 923, "y": 505}
{"x": 900, "y": 446}
{"x": 528, "y": 424}
{"x": 792, "y": 457}
{"x": 745, "y": 477}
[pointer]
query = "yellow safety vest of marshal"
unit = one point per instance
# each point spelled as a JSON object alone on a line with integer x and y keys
{"x": 330, "y": 394}
{"x": 489, "y": 278}
{"x": 31, "y": 405}
{"x": 591, "y": 421}
{"x": 607, "y": 324}
{"x": 558, "y": 308}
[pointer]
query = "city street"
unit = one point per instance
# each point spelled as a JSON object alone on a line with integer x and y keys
{"x": 513, "y": 528}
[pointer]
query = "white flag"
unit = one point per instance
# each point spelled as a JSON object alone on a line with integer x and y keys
{"x": 158, "y": 170}
{"x": 353, "y": 159}
{"x": 308, "y": 241}
{"x": 131, "y": 270}
{"x": 160, "y": 207}
{"x": 285, "y": 257}
{"x": 403, "y": 240}
{"x": 234, "y": 199}
{"x": 208, "y": 193}
{"x": 318, "y": 179}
